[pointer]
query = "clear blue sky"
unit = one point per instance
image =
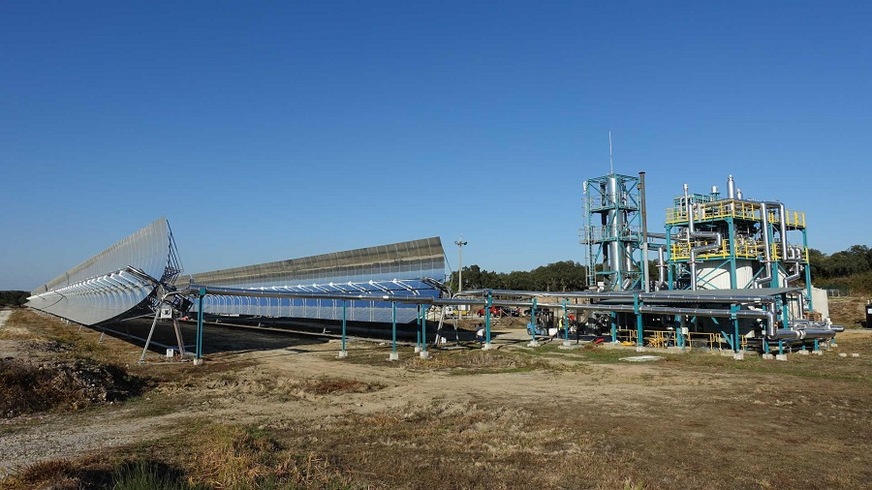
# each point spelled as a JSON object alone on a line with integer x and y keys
{"x": 273, "y": 130}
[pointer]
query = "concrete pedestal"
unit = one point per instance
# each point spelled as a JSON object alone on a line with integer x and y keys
{"x": 343, "y": 354}
{"x": 487, "y": 346}
{"x": 639, "y": 348}
{"x": 533, "y": 343}
{"x": 768, "y": 357}
{"x": 394, "y": 356}
{"x": 198, "y": 362}
{"x": 780, "y": 357}
{"x": 425, "y": 354}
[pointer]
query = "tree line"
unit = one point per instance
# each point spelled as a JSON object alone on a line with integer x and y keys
{"x": 559, "y": 276}
{"x": 855, "y": 260}
{"x": 13, "y": 298}
{"x": 849, "y": 270}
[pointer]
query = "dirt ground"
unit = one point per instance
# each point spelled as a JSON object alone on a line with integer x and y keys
{"x": 290, "y": 414}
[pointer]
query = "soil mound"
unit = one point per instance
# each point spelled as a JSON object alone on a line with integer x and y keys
{"x": 28, "y": 387}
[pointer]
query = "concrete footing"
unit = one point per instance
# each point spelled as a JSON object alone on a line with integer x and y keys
{"x": 198, "y": 362}
{"x": 343, "y": 354}
{"x": 817, "y": 352}
{"x": 780, "y": 357}
{"x": 768, "y": 357}
{"x": 639, "y": 348}
{"x": 425, "y": 354}
{"x": 394, "y": 356}
{"x": 739, "y": 355}
{"x": 566, "y": 344}
{"x": 417, "y": 349}
{"x": 803, "y": 352}
{"x": 487, "y": 346}
{"x": 533, "y": 343}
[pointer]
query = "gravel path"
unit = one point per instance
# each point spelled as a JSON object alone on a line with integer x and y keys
{"x": 67, "y": 436}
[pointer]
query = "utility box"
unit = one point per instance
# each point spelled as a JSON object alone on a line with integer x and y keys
{"x": 166, "y": 312}
{"x": 868, "y": 315}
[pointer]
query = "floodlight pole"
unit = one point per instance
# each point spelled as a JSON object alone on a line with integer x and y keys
{"x": 460, "y": 243}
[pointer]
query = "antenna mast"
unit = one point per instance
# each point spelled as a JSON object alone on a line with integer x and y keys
{"x": 611, "y": 163}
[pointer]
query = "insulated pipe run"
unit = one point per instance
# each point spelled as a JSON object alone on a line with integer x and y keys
{"x": 769, "y": 315}
{"x": 692, "y": 233}
{"x": 808, "y": 333}
{"x": 767, "y": 258}
{"x": 782, "y": 230}
{"x": 797, "y": 273}
{"x": 782, "y": 211}
{"x": 689, "y": 211}
{"x": 661, "y": 267}
{"x": 645, "y": 284}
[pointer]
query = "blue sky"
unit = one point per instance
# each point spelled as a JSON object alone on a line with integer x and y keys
{"x": 273, "y": 130}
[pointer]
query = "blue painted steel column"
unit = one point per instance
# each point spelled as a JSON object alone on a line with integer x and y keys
{"x": 736, "y": 343}
{"x": 487, "y": 317}
{"x": 785, "y": 315}
{"x": 679, "y": 330}
{"x": 394, "y": 327}
{"x": 639, "y": 324}
{"x": 344, "y": 303}
{"x": 614, "y": 321}
{"x": 199, "y": 336}
{"x": 565, "y": 322}
{"x": 533, "y": 321}
{"x": 418, "y": 326}
{"x": 423, "y": 329}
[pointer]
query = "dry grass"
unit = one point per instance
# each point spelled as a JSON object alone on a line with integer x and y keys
{"x": 468, "y": 361}
{"x": 849, "y": 311}
{"x": 235, "y": 458}
{"x": 337, "y": 386}
{"x": 695, "y": 420}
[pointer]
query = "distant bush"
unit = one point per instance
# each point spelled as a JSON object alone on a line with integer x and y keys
{"x": 13, "y": 298}
{"x": 855, "y": 285}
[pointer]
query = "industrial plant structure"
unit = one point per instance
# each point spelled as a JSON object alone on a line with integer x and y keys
{"x": 726, "y": 252}
{"x": 730, "y": 270}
